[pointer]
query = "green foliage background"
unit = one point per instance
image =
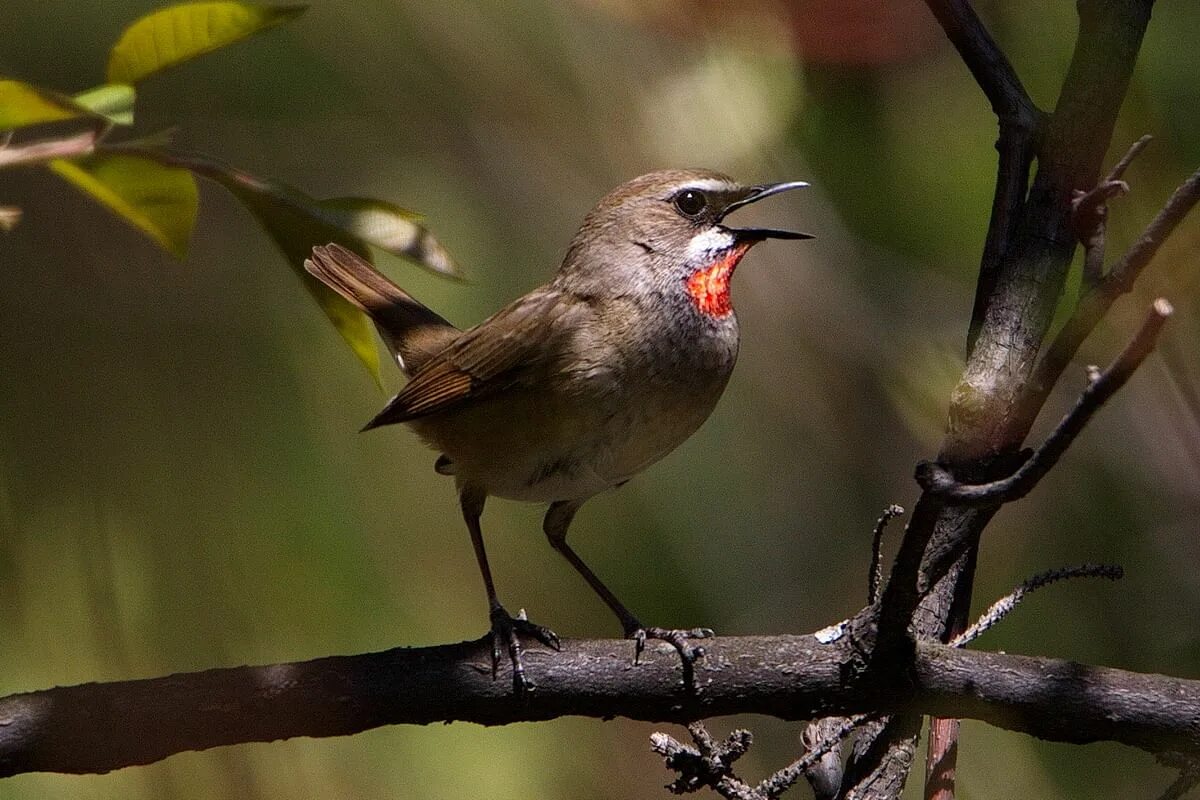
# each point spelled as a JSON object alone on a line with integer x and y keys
{"x": 181, "y": 484}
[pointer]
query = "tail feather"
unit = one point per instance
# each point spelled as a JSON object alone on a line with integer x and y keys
{"x": 411, "y": 331}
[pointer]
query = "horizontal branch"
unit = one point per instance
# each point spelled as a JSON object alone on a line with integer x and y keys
{"x": 99, "y": 727}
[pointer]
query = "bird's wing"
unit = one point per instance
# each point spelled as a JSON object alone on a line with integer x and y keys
{"x": 483, "y": 360}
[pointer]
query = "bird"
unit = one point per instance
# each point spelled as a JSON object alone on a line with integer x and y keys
{"x": 582, "y": 383}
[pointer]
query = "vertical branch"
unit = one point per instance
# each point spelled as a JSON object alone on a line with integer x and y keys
{"x": 1019, "y": 121}
{"x": 1033, "y": 270}
{"x": 1029, "y": 248}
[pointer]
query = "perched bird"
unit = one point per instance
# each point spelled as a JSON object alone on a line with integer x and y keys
{"x": 580, "y": 384}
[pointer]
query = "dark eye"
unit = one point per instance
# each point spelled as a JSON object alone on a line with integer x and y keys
{"x": 690, "y": 202}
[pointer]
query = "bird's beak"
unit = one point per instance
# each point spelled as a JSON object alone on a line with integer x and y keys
{"x": 755, "y": 194}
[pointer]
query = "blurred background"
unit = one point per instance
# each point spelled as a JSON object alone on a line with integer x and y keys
{"x": 181, "y": 481}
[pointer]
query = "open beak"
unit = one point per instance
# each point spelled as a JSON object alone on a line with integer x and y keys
{"x": 758, "y": 193}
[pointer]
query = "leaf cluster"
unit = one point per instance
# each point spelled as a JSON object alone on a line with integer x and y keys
{"x": 153, "y": 187}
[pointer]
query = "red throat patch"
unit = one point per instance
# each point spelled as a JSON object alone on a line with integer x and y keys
{"x": 709, "y": 287}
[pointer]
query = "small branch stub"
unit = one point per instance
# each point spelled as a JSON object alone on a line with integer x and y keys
{"x": 875, "y": 573}
{"x": 1089, "y": 214}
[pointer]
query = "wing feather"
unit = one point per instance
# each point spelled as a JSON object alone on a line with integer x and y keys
{"x": 483, "y": 360}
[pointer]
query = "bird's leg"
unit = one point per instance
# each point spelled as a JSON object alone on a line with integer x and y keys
{"x": 557, "y": 521}
{"x": 506, "y": 629}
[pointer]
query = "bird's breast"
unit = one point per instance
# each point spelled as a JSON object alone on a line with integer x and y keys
{"x": 617, "y": 398}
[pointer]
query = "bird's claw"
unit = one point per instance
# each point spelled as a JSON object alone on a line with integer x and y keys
{"x": 506, "y": 634}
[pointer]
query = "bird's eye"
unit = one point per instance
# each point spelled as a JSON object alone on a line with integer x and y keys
{"x": 690, "y": 202}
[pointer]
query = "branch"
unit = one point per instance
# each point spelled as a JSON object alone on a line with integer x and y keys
{"x": 1095, "y": 304}
{"x": 939, "y": 482}
{"x": 929, "y": 591}
{"x": 104, "y": 726}
{"x": 1020, "y": 122}
{"x": 709, "y": 763}
{"x": 986, "y": 424}
{"x": 875, "y": 571}
{"x": 987, "y": 63}
{"x": 1005, "y": 605}
{"x": 67, "y": 146}
{"x": 1089, "y": 212}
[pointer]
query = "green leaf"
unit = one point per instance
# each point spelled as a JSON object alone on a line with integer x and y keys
{"x": 113, "y": 101}
{"x": 22, "y": 105}
{"x": 173, "y": 35}
{"x": 288, "y": 216}
{"x": 388, "y": 227}
{"x": 158, "y": 200}
{"x": 298, "y": 222}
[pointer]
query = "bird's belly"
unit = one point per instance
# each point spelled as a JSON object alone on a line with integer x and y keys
{"x": 540, "y": 446}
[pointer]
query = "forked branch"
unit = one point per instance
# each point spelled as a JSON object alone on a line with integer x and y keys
{"x": 1120, "y": 279}
{"x": 939, "y": 482}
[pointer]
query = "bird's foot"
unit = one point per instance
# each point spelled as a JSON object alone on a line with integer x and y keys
{"x": 507, "y": 631}
{"x": 677, "y": 638}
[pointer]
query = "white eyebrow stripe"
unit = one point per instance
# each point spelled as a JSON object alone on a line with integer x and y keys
{"x": 706, "y": 185}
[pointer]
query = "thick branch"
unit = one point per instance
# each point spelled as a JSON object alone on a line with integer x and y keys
{"x": 930, "y": 585}
{"x": 986, "y": 419}
{"x": 941, "y": 483}
{"x": 100, "y": 727}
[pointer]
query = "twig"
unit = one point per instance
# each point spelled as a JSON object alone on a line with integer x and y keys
{"x": 1189, "y": 774}
{"x": 1004, "y": 606}
{"x": 784, "y": 779}
{"x": 1089, "y": 211}
{"x": 708, "y": 764}
{"x": 938, "y": 481}
{"x": 74, "y": 146}
{"x": 1095, "y": 303}
{"x": 1089, "y": 214}
{"x": 1135, "y": 149}
{"x": 875, "y": 576}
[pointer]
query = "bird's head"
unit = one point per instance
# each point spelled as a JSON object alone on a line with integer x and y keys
{"x": 666, "y": 231}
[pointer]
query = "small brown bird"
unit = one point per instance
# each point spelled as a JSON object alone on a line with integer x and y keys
{"x": 582, "y": 383}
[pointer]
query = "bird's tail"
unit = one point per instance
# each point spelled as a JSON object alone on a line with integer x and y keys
{"x": 411, "y": 331}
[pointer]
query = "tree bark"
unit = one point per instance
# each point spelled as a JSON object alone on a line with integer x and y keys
{"x": 98, "y": 727}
